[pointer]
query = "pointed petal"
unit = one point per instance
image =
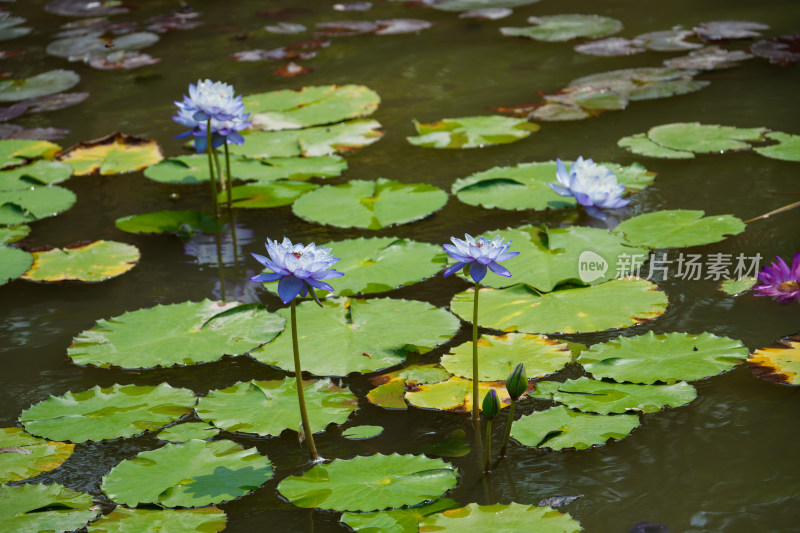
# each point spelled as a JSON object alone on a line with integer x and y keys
{"x": 289, "y": 287}
{"x": 477, "y": 271}
{"x": 453, "y": 269}
{"x": 499, "y": 269}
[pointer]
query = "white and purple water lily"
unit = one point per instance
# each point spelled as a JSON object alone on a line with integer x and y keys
{"x": 298, "y": 269}
{"x": 593, "y": 186}
{"x": 479, "y": 255}
{"x": 216, "y": 101}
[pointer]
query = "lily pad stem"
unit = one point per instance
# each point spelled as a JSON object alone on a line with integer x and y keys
{"x": 488, "y": 450}
{"x": 212, "y": 179}
{"x": 508, "y": 427}
{"x": 312, "y": 450}
{"x": 476, "y": 415}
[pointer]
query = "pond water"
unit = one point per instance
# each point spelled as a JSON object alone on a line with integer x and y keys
{"x": 727, "y": 462}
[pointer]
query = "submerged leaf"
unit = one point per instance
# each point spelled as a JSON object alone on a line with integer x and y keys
{"x": 178, "y": 222}
{"x": 88, "y": 262}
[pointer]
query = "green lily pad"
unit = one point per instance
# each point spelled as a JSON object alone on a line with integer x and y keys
{"x": 124, "y": 520}
{"x": 471, "y": 132}
{"x": 779, "y": 363}
{"x": 501, "y": 517}
{"x": 40, "y": 172}
{"x": 592, "y": 396}
{"x": 87, "y": 262}
{"x": 348, "y": 335}
{"x": 618, "y": 303}
{"x": 667, "y": 357}
{"x": 704, "y": 138}
{"x": 177, "y": 334}
{"x": 29, "y": 205}
{"x": 107, "y": 413}
{"x": 116, "y": 153}
{"x": 23, "y": 456}
{"x": 13, "y": 263}
{"x": 271, "y": 194}
{"x": 678, "y": 228}
{"x": 179, "y": 222}
{"x": 370, "y": 204}
{"x": 469, "y": 5}
{"x": 51, "y": 82}
{"x": 455, "y": 394}
{"x": 397, "y": 521}
{"x": 787, "y": 149}
{"x": 310, "y": 106}
{"x": 556, "y": 28}
{"x": 549, "y": 257}
{"x": 15, "y": 152}
{"x": 641, "y": 144}
{"x": 391, "y": 388}
{"x": 188, "y": 431}
{"x": 735, "y": 287}
{"x": 370, "y": 483}
{"x": 362, "y": 432}
{"x": 497, "y": 356}
{"x": 524, "y": 186}
{"x": 10, "y": 28}
{"x": 453, "y": 445}
{"x": 193, "y": 474}
{"x": 558, "y": 428}
{"x": 668, "y": 40}
{"x": 13, "y": 234}
{"x": 589, "y": 98}
{"x": 44, "y": 508}
{"x": 269, "y": 407}
{"x": 643, "y": 83}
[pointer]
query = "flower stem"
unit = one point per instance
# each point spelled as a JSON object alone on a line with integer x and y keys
{"x": 475, "y": 410}
{"x": 312, "y": 450}
{"x": 508, "y": 427}
{"x": 219, "y": 170}
{"x": 228, "y": 177}
{"x": 212, "y": 178}
{"x": 488, "y": 449}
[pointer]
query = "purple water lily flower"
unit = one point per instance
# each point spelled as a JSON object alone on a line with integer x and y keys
{"x": 216, "y": 101}
{"x": 593, "y": 186}
{"x": 780, "y": 282}
{"x": 479, "y": 255}
{"x": 297, "y": 268}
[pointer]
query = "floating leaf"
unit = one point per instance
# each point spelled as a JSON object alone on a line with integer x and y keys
{"x": 783, "y": 50}
{"x": 40, "y": 172}
{"x": 271, "y": 194}
{"x": 643, "y": 83}
{"x": 668, "y": 41}
{"x": 369, "y": 483}
{"x": 179, "y": 222}
{"x": 348, "y": 335}
{"x": 466, "y": 5}
{"x": 188, "y": 431}
{"x": 193, "y": 474}
{"x": 124, "y": 520}
{"x": 455, "y": 394}
{"x": 44, "y": 508}
{"x": 613, "y": 46}
{"x": 787, "y": 149}
{"x": 362, "y": 432}
{"x": 397, "y": 521}
{"x": 667, "y": 357}
{"x": 592, "y": 396}
{"x": 453, "y": 445}
{"x": 178, "y": 334}
{"x": 555, "y": 111}
{"x": 269, "y": 407}
{"x": 709, "y": 58}
{"x": 13, "y": 263}
{"x": 779, "y": 363}
{"x": 589, "y": 99}
{"x": 310, "y": 106}
{"x": 107, "y": 413}
{"x": 51, "y": 82}
{"x": 391, "y": 390}
{"x": 370, "y": 204}
{"x": 23, "y": 456}
{"x": 86, "y": 8}
{"x": 557, "y": 28}
{"x": 722, "y": 30}
{"x": 704, "y": 138}
{"x": 471, "y": 132}
{"x": 497, "y": 356}
{"x": 10, "y": 27}
{"x": 487, "y": 13}
{"x": 11, "y": 234}
{"x": 398, "y": 26}
{"x": 641, "y": 144}
{"x": 615, "y": 304}
{"x": 735, "y": 287}
{"x": 25, "y": 206}
{"x": 84, "y": 47}
{"x": 524, "y": 186}
{"x": 87, "y": 262}
{"x": 15, "y": 152}
{"x": 501, "y": 517}
{"x": 558, "y": 428}
{"x": 678, "y": 228}
{"x": 113, "y": 154}
{"x": 190, "y": 169}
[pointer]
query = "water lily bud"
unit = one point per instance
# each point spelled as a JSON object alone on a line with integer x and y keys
{"x": 517, "y": 382}
{"x": 491, "y": 405}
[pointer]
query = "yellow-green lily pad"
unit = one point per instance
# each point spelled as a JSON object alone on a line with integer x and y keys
{"x": 87, "y": 262}
{"x": 779, "y": 363}
{"x": 113, "y": 154}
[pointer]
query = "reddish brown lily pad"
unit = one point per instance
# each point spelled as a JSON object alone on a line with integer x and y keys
{"x": 783, "y": 50}
{"x": 779, "y": 363}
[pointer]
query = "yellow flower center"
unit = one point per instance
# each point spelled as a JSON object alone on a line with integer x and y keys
{"x": 789, "y": 286}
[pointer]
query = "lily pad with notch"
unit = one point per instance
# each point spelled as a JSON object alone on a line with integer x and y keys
{"x": 783, "y": 50}
{"x": 779, "y": 363}
{"x": 641, "y": 144}
{"x": 85, "y": 47}
{"x": 115, "y": 153}
{"x": 643, "y": 83}
{"x": 13, "y": 263}
{"x": 40, "y": 172}
{"x": 396, "y": 521}
{"x": 735, "y": 287}
{"x": 454, "y": 394}
{"x": 558, "y": 428}
{"x": 23, "y": 456}
{"x": 557, "y": 28}
{"x": 11, "y": 234}
{"x": 787, "y": 149}
{"x": 391, "y": 387}
{"x": 471, "y": 132}
{"x": 500, "y": 517}
{"x": 678, "y": 228}
{"x": 182, "y": 432}
{"x": 269, "y": 194}
{"x": 124, "y": 520}
{"x": 15, "y": 152}
{"x": 29, "y": 205}
{"x": 709, "y": 58}
{"x": 89, "y": 262}
{"x": 39, "y": 507}
{"x": 668, "y": 40}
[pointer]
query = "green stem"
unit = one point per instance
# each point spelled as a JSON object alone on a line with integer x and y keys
{"x": 228, "y": 177}
{"x": 508, "y": 427}
{"x": 488, "y": 450}
{"x": 212, "y": 178}
{"x": 301, "y": 399}
{"x": 219, "y": 170}
{"x": 475, "y": 410}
